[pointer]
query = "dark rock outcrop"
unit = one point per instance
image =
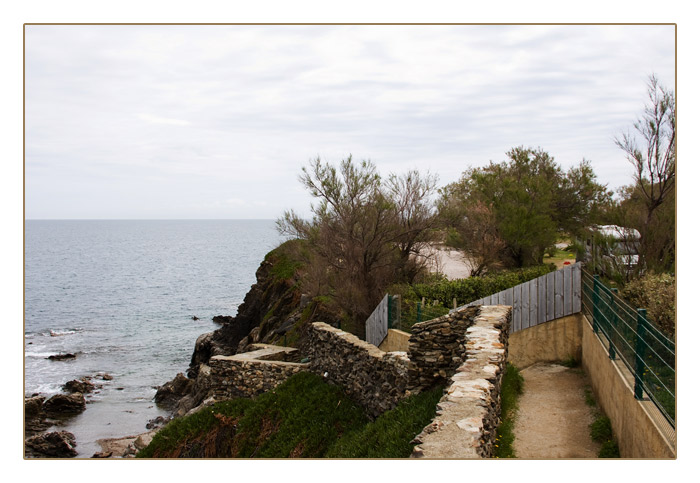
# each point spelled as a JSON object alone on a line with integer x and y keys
{"x": 56, "y": 444}
{"x": 82, "y": 385}
{"x": 34, "y": 416}
{"x": 274, "y": 302}
{"x": 170, "y": 393}
{"x": 61, "y": 357}
{"x": 64, "y": 404}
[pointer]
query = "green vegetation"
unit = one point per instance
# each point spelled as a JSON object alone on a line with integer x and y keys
{"x": 657, "y": 294}
{"x": 511, "y": 212}
{"x": 390, "y": 434}
{"x": 304, "y": 417}
{"x": 511, "y": 389}
{"x": 601, "y": 429}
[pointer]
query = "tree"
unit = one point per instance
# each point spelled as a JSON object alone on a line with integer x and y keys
{"x": 364, "y": 234}
{"x": 527, "y": 201}
{"x": 655, "y": 162}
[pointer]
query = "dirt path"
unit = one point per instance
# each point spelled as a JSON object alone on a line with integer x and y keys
{"x": 553, "y": 417}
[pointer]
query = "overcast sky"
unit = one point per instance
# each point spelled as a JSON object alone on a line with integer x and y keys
{"x": 217, "y": 121}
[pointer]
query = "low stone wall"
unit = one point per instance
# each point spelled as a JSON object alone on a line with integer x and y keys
{"x": 468, "y": 414}
{"x": 437, "y": 347}
{"x": 251, "y": 373}
{"x": 374, "y": 379}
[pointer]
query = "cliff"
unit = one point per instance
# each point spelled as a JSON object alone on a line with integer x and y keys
{"x": 274, "y": 311}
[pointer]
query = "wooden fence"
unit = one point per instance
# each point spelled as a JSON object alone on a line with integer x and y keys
{"x": 551, "y": 296}
{"x": 377, "y": 324}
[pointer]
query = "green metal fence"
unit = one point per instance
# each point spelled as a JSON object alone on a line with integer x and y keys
{"x": 646, "y": 351}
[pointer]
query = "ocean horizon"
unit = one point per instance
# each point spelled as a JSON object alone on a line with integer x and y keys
{"x": 122, "y": 295}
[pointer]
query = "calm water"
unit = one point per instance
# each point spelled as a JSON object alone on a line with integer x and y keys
{"x": 121, "y": 295}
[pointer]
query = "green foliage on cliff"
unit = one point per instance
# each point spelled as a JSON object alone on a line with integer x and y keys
{"x": 390, "y": 435}
{"x": 304, "y": 417}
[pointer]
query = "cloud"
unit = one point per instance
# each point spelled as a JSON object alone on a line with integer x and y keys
{"x": 162, "y": 120}
{"x": 196, "y": 114}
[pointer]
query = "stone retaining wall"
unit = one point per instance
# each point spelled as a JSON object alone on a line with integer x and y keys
{"x": 468, "y": 414}
{"x": 251, "y": 373}
{"x": 374, "y": 379}
{"x": 437, "y": 347}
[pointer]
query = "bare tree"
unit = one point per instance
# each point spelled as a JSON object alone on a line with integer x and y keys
{"x": 655, "y": 161}
{"x": 362, "y": 234}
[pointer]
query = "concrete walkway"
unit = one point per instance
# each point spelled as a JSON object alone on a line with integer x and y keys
{"x": 553, "y": 418}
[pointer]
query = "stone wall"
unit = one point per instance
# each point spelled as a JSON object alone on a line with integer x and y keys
{"x": 374, "y": 379}
{"x": 251, "y": 373}
{"x": 468, "y": 413}
{"x": 437, "y": 347}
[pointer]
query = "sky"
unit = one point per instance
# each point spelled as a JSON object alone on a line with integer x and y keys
{"x": 210, "y": 121}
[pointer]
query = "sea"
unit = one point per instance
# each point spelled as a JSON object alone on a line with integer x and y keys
{"x": 122, "y": 296}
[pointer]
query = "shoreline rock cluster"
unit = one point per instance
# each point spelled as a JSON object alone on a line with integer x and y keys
{"x": 42, "y": 412}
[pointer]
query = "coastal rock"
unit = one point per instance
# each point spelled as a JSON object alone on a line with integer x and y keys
{"x": 61, "y": 357}
{"x": 34, "y": 416}
{"x": 82, "y": 385}
{"x": 170, "y": 393}
{"x": 64, "y": 404}
{"x": 222, "y": 319}
{"x": 56, "y": 444}
{"x": 32, "y": 406}
{"x": 157, "y": 422}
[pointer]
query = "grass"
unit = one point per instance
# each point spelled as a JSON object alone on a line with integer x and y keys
{"x": 558, "y": 257}
{"x": 390, "y": 434}
{"x": 601, "y": 429}
{"x": 304, "y": 417}
{"x": 511, "y": 388}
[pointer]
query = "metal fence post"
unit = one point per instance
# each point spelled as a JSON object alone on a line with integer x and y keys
{"x": 613, "y": 325}
{"x": 639, "y": 351}
{"x": 596, "y": 302}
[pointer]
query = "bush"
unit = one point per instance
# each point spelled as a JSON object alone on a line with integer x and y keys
{"x": 609, "y": 450}
{"x": 657, "y": 294}
{"x": 467, "y": 290}
{"x": 601, "y": 429}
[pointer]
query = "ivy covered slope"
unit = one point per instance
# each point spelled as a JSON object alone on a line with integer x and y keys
{"x": 303, "y": 417}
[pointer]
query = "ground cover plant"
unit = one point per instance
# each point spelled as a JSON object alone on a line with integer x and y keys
{"x": 390, "y": 435}
{"x": 304, "y": 417}
{"x": 511, "y": 388}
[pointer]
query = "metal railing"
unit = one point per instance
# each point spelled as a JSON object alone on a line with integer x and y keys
{"x": 647, "y": 352}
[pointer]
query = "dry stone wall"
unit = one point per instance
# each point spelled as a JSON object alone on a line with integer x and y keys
{"x": 437, "y": 347}
{"x": 468, "y": 413}
{"x": 374, "y": 379}
{"x": 251, "y": 373}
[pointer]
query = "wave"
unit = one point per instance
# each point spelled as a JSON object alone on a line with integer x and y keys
{"x": 54, "y": 332}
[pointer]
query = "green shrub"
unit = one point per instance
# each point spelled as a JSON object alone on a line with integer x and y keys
{"x": 609, "y": 449}
{"x": 512, "y": 387}
{"x": 601, "y": 429}
{"x": 300, "y": 418}
{"x": 390, "y": 435}
{"x": 657, "y": 294}
{"x": 467, "y": 290}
